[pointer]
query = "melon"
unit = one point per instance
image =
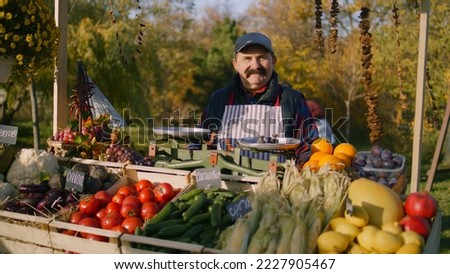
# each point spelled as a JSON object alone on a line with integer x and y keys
{"x": 383, "y": 204}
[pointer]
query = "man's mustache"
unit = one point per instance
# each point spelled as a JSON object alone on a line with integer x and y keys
{"x": 261, "y": 71}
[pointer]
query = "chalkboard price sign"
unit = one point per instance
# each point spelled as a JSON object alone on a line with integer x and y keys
{"x": 239, "y": 208}
{"x": 75, "y": 181}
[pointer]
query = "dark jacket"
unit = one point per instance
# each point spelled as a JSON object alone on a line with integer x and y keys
{"x": 296, "y": 114}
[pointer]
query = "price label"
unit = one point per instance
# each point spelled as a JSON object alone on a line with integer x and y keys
{"x": 208, "y": 178}
{"x": 239, "y": 208}
{"x": 8, "y": 134}
{"x": 75, "y": 181}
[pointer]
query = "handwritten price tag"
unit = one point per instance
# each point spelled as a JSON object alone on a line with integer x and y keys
{"x": 239, "y": 208}
{"x": 75, "y": 181}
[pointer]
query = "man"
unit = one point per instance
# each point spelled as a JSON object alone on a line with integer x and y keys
{"x": 280, "y": 110}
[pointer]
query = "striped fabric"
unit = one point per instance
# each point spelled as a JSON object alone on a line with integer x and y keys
{"x": 242, "y": 121}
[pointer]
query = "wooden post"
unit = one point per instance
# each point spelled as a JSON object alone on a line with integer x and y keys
{"x": 420, "y": 94}
{"x": 439, "y": 144}
{"x": 60, "y": 112}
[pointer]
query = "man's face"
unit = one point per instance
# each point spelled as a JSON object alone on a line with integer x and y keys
{"x": 255, "y": 66}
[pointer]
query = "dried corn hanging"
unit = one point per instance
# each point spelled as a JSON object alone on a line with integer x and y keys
{"x": 371, "y": 96}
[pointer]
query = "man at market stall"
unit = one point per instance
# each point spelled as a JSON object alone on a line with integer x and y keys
{"x": 255, "y": 104}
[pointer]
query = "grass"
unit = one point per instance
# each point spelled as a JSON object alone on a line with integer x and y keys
{"x": 440, "y": 189}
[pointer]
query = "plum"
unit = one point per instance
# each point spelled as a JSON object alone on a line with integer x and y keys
{"x": 397, "y": 161}
{"x": 383, "y": 181}
{"x": 392, "y": 181}
{"x": 369, "y": 160}
{"x": 377, "y": 162}
{"x": 386, "y": 154}
{"x": 388, "y": 164}
{"x": 376, "y": 150}
{"x": 360, "y": 160}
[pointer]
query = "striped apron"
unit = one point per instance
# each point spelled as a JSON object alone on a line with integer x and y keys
{"x": 250, "y": 121}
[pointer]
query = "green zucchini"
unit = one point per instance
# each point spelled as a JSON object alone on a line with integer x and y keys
{"x": 190, "y": 194}
{"x": 173, "y": 230}
{"x": 193, "y": 232}
{"x": 199, "y": 203}
{"x": 163, "y": 214}
{"x": 150, "y": 229}
{"x": 200, "y": 218}
{"x": 216, "y": 214}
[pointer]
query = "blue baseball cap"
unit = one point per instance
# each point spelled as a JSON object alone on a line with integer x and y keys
{"x": 253, "y": 38}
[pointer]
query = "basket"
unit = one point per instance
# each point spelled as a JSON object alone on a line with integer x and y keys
{"x": 375, "y": 174}
{"x": 59, "y": 148}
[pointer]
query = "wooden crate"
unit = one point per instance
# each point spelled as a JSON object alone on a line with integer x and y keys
{"x": 24, "y": 234}
{"x": 64, "y": 243}
{"x": 133, "y": 244}
{"x": 128, "y": 245}
{"x": 432, "y": 246}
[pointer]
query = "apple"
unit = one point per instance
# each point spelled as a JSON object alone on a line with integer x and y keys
{"x": 421, "y": 204}
{"x": 417, "y": 224}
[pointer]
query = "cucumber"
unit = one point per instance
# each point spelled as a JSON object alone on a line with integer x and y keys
{"x": 200, "y": 218}
{"x": 238, "y": 197}
{"x": 177, "y": 214}
{"x": 216, "y": 213}
{"x": 190, "y": 194}
{"x": 173, "y": 230}
{"x": 150, "y": 229}
{"x": 199, "y": 203}
{"x": 163, "y": 214}
{"x": 193, "y": 232}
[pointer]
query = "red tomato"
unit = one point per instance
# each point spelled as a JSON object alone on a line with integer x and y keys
{"x": 111, "y": 220}
{"x": 89, "y": 205}
{"x": 101, "y": 213}
{"x": 164, "y": 192}
{"x": 69, "y": 232}
{"x": 120, "y": 228}
{"x": 118, "y": 198}
{"x": 129, "y": 210}
{"x": 131, "y": 200}
{"x": 142, "y": 184}
{"x": 96, "y": 237}
{"x": 103, "y": 196}
{"x": 131, "y": 223}
{"x": 91, "y": 222}
{"x": 146, "y": 195}
{"x": 113, "y": 207}
{"x": 126, "y": 190}
{"x": 77, "y": 216}
{"x": 149, "y": 210}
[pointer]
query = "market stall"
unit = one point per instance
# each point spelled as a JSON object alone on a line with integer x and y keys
{"x": 100, "y": 195}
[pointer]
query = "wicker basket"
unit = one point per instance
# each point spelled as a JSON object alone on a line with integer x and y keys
{"x": 59, "y": 148}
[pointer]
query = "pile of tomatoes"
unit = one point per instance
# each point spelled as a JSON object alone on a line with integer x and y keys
{"x": 124, "y": 211}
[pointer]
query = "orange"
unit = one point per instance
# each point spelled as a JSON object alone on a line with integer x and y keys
{"x": 321, "y": 144}
{"x": 347, "y": 160}
{"x": 334, "y": 162}
{"x": 347, "y": 149}
{"x": 318, "y": 155}
{"x": 313, "y": 165}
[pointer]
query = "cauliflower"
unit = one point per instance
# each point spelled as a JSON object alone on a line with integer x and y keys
{"x": 7, "y": 191}
{"x": 30, "y": 165}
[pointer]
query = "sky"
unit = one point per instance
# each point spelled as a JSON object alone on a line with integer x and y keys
{"x": 235, "y": 5}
